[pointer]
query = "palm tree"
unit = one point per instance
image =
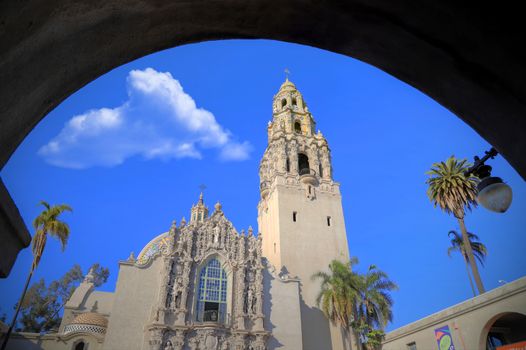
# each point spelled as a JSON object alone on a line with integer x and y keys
{"x": 338, "y": 293}
{"x": 374, "y": 308}
{"x": 454, "y": 192}
{"x": 47, "y": 222}
{"x": 358, "y": 303}
{"x": 479, "y": 250}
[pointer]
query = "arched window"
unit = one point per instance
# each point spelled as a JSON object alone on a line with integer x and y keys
{"x": 303, "y": 164}
{"x": 320, "y": 171}
{"x": 80, "y": 346}
{"x": 294, "y": 102}
{"x": 297, "y": 127}
{"x": 283, "y": 103}
{"x": 288, "y": 165}
{"x": 211, "y": 294}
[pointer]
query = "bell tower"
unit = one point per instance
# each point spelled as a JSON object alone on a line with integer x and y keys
{"x": 300, "y": 213}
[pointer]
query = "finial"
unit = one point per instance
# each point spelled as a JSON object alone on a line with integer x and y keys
{"x": 131, "y": 258}
{"x": 183, "y": 222}
{"x": 173, "y": 227}
{"x": 287, "y": 72}
{"x": 218, "y": 206}
{"x": 250, "y": 231}
{"x": 242, "y": 232}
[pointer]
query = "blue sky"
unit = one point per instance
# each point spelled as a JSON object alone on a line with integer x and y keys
{"x": 127, "y": 154}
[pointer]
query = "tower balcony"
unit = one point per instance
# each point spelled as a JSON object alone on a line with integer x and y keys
{"x": 308, "y": 176}
{"x": 264, "y": 189}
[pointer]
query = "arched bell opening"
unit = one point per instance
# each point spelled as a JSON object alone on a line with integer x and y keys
{"x": 303, "y": 164}
{"x": 297, "y": 127}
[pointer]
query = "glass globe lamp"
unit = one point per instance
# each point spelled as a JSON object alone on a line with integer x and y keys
{"x": 494, "y": 195}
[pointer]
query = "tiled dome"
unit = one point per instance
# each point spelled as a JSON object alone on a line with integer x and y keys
{"x": 89, "y": 322}
{"x": 91, "y": 318}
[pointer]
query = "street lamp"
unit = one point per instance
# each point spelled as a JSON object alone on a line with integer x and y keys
{"x": 493, "y": 193}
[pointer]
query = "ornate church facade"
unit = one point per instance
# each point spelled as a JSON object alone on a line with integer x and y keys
{"x": 204, "y": 285}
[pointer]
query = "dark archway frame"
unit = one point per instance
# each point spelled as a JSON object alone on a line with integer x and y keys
{"x": 467, "y": 56}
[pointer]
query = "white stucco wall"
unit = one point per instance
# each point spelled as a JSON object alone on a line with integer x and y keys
{"x": 468, "y": 321}
{"x": 136, "y": 291}
{"x": 281, "y": 306}
{"x": 33, "y": 341}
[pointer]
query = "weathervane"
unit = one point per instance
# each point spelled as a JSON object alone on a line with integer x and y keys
{"x": 202, "y": 187}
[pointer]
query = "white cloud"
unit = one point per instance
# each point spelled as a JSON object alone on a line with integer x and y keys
{"x": 236, "y": 151}
{"x": 159, "y": 121}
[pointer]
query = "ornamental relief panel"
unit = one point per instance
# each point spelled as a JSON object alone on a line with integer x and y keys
{"x": 173, "y": 324}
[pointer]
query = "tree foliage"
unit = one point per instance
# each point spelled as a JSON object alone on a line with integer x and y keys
{"x": 457, "y": 245}
{"x": 42, "y": 304}
{"x": 453, "y": 188}
{"x": 361, "y": 302}
{"x": 339, "y": 290}
{"x": 48, "y": 222}
{"x": 449, "y": 187}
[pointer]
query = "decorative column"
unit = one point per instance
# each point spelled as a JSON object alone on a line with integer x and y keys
{"x": 281, "y": 155}
{"x": 259, "y": 317}
{"x": 293, "y": 157}
{"x": 240, "y": 284}
{"x": 183, "y": 289}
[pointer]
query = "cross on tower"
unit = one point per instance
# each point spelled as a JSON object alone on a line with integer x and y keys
{"x": 202, "y": 187}
{"x": 287, "y": 72}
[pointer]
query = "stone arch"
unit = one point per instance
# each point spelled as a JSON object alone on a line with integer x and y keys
{"x": 479, "y": 76}
{"x": 516, "y": 322}
{"x": 303, "y": 162}
{"x": 80, "y": 344}
{"x": 297, "y": 126}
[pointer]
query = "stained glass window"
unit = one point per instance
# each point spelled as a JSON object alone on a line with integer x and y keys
{"x": 211, "y": 294}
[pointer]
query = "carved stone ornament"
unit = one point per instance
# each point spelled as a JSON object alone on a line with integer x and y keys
{"x": 174, "y": 322}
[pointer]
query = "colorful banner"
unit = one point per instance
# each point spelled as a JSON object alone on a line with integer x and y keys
{"x": 443, "y": 337}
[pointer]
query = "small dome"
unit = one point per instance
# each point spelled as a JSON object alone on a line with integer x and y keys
{"x": 89, "y": 322}
{"x": 91, "y": 318}
{"x": 288, "y": 85}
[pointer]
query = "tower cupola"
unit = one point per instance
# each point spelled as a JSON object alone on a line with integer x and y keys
{"x": 294, "y": 149}
{"x": 290, "y": 112}
{"x": 199, "y": 211}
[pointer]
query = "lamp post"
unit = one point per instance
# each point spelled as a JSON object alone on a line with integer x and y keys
{"x": 493, "y": 193}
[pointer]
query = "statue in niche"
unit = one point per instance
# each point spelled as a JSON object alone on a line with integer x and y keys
{"x": 178, "y": 300}
{"x": 169, "y": 346}
{"x": 215, "y": 236}
{"x": 250, "y": 275}
{"x": 250, "y": 298}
